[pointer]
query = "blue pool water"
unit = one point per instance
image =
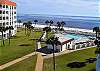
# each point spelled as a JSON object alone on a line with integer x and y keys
{"x": 75, "y": 36}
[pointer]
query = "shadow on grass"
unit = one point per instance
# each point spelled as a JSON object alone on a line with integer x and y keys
{"x": 14, "y": 37}
{"x": 97, "y": 51}
{"x": 93, "y": 70}
{"x": 25, "y": 45}
{"x": 91, "y": 60}
{"x": 34, "y": 39}
{"x": 81, "y": 64}
{"x": 76, "y": 64}
{"x": 18, "y": 31}
{"x": 46, "y": 50}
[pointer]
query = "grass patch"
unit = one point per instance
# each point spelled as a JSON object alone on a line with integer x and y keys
{"x": 18, "y": 46}
{"x": 25, "y": 65}
{"x": 50, "y": 34}
{"x": 78, "y": 56}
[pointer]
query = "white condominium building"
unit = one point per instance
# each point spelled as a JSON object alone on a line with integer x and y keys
{"x": 8, "y": 16}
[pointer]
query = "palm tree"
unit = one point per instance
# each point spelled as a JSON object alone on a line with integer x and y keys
{"x": 47, "y": 29}
{"x": 62, "y": 25}
{"x": 58, "y": 25}
{"x": 19, "y": 21}
{"x": 10, "y": 28}
{"x": 25, "y": 24}
{"x": 51, "y": 22}
{"x": 96, "y": 29}
{"x": 2, "y": 30}
{"x": 97, "y": 40}
{"x": 29, "y": 24}
{"x": 35, "y": 22}
{"x": 53, "y": 41}
{"x": 46, "y": 22}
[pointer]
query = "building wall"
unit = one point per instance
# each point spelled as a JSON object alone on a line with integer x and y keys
{"x": 63, "y": 47}
{"x": 8, "y": 17}
{"x": 58, "y": 47}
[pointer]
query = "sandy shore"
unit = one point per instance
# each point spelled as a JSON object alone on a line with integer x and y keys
{"x": 65, "y": 28}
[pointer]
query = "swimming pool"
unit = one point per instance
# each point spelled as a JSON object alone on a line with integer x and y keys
{"x": 75, "y": 36}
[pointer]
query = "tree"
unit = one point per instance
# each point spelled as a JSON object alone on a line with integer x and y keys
{"x": 2, "y": 30}
{"x": 35, "y": 21}
{"x": 29, "y": 24}
{"x": 96, "y": 29}
{"x": 97, "y": 40}
{"x": 58, "y": 25}
{"x": 46, "y": 22}
{"x": 51, "y": 22}
{"x": 25, "y": 24}
{"x": 19, "y": 21}
{"x": 53, "y": 41}
{"x": 10, "y": 28}
{"x": 47, "y": 29}
{"x": 62, "y": 24}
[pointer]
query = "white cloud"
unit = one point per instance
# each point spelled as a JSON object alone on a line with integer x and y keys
{"x": 66, "y": 7}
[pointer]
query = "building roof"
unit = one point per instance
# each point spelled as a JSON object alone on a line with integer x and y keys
{"x": 62, "y": 39}
{"x": 67, "y": 41}
{"x": 7, "y": 2}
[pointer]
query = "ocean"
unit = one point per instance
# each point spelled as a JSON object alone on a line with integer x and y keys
{"x": 83, "y": 22}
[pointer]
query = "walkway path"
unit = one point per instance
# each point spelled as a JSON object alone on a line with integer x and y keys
{"x": 16, "y": 61}
{"x": 64, "y": 52}
{"x": 39, "y": 64}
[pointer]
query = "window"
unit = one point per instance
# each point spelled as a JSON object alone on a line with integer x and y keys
{"x": 14, "y": 21}
{"x": 4, "y": 35}
{"x": 7, "y": 18}
{"x": 3, "y": 6}
{"x": 0, "y": 6}
{"x": 0, "y": 24}
{"x": 3, "y": 12}
{"x": 3, "y": 18}
{"x": 6, "y": 6}
{"x": 6, "y": 12}
{"x": 7, "y": 23}
{"x": 0, "y": 12}
{"x": 10, "y": 23}
{"x": 14, "y": 17}
{"x": 4, "y": 24}
{"x": 14, "y": 12}
{"x": 12, "y": 7}
{"x": 0, "y": 18}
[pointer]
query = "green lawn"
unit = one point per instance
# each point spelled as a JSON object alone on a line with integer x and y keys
{"x": 50, "y": 34}
{"x": 63, "y": 60}
{"x": 20, "y": 46}
{"x": 26, "y": 65}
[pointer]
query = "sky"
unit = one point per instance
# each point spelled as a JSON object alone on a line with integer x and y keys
{"x": 59, "y": 7}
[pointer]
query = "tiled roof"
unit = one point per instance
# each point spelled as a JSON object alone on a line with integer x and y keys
{"x": 67, "y": 41}
{"x": 7, "y": 2}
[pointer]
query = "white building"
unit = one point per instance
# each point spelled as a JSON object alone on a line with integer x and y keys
{"x": 70, "y": 43}
{"x": 8, "y": 16}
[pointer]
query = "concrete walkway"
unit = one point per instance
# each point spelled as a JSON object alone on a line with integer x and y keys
{"x": 64, "y": 52}
{"x": 16, "y": 61}
{"x": 39, "y": 64}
